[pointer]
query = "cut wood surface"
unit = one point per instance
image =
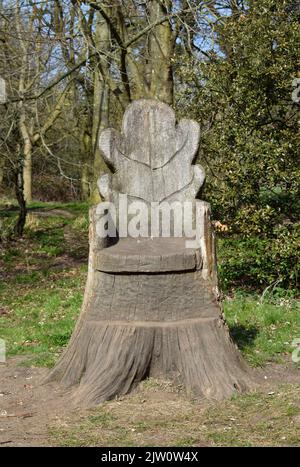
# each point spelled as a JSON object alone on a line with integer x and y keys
{"x": 152, "y": 157}
{"x": 147, "y": 255}
{"x": 151, "y": 306}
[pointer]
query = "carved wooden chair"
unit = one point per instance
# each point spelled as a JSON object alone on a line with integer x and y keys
{"x": 151, "y": 305}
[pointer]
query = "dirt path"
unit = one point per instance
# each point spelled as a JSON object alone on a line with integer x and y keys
{"x": 27, "y": 408}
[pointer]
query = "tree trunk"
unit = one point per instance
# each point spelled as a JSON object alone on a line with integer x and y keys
{"x": 161, "y": 53}
{"x": 27, "y": 153}
{"x": 2, "y": 101}
{"x": 86, "y": 159}
{"x": 151, "y": 304}
{"x": 19, "y": 187}
{"x": 85, "y": 182}
{"x": 2, "y": 166}
{"x": 100, "y": 102}
{"x": 150, "y": 324}
{"x": 27, "y": 173}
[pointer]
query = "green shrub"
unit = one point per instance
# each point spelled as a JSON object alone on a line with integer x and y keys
{"x": 259, "y": 262}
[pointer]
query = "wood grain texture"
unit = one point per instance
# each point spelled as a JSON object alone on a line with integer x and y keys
{"x": 147, "y": 255}
{"x": 152, "y": 157}
{"x": 110, "y": 359}
{"x": 132, "y": 326}
{"x": 151, "y": 306}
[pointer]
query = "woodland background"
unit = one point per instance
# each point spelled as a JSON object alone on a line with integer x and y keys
{"x": 71, "y": 68}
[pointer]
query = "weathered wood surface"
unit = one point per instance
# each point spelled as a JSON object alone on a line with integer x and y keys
{"x": 164, "y": 325}
{"x": 152, "y": 297}
{"x": 148, "y": 255}
{"x": 137, "y": 325}
{"x": 152, "y": 157}
{"x": 151, "y": 307}
{"x": 111, "y": 358}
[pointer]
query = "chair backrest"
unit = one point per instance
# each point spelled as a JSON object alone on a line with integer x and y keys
{"x": 151, "y": 159}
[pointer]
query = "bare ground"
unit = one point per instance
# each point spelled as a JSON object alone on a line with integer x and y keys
{"x": 28, "y": 408}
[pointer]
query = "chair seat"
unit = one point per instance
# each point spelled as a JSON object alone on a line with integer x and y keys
{"x": 147, "y": 255}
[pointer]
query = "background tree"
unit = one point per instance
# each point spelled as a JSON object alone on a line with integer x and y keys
{"x": 243, "y": 97}
{"x": 72, "y": 67}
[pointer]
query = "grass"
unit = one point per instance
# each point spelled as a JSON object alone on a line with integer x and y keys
{"x": 41, "y": 290}
{"x": 264, "y": 330}
{"x": 142, "y": 419}
{"x": 45, "y": 273}
{"x": 40, "y": 315}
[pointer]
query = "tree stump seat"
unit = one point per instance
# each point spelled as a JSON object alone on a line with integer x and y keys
{"x": 151, "y": 306}
{"x": 148, "y": 255}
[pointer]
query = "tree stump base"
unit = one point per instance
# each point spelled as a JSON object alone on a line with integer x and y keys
{"x": 109, "y": 359}
{"x": 167, "y": 325}
{"x": 151, "y": 305}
